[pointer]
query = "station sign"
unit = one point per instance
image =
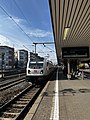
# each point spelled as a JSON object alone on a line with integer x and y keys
{"x": 75, "y": 52}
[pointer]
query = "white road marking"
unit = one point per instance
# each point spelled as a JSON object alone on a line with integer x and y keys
{"x": 55, "y": 107}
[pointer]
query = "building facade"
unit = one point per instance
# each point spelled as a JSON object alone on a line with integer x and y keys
{"x": 6, "y": 57}
{"x": 22, "y": 58}
{"x": 34, "y": 57}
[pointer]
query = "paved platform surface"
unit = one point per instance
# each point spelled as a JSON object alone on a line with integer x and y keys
{"x": 74, "y": 100}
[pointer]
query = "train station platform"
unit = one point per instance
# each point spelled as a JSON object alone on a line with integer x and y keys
{"x": 62, "y": 99}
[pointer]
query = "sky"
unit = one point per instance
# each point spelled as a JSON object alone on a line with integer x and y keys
{"x": 23, "y": 22}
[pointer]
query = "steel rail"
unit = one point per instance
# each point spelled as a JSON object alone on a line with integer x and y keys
{"x": 27, "y": 97}
{"x": 10, "y": 84}
{"x": 6, "y": 82}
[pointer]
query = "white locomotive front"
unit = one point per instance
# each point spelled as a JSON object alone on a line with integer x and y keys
{"x": 37, "y": 70}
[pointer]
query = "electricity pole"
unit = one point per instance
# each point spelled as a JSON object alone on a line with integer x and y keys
{"x": 43, "y": 43}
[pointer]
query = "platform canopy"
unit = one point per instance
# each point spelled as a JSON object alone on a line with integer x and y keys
{"x": 71, "y": 23}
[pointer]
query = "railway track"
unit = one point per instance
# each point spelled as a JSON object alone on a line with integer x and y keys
{"x": 12, "y": 81}
{"x": 9, "y": 77}
{"x": 13, "y": 76}
{"x": 10, "y": 84}
{"x": 17, "y": 108}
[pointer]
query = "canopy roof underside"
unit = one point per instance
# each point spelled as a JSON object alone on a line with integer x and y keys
{"x": 72, "y": 14}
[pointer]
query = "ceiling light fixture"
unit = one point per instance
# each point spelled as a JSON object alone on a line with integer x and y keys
{"x": 66, "y": 30}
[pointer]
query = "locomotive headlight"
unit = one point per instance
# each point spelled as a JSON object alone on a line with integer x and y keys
{"x": 41, "y": 72}
{"x": 29, "y": 71}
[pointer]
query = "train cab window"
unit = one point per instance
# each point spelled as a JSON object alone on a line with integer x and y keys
{"x": 39, "y": 65}
{"x": 32, "y": 65}
{"x": 36, "y": 65}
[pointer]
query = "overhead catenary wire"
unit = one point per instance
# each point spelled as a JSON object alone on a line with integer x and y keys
{"x": 21, "y": 11}
{"x": 9, "y": 38}
{"x": 46, "y": 51}
{"x": 15, "y": 23}
{"x": 49, "y": 48}
{"x": 18, "y": 24}
{"x": 26, "y": 48}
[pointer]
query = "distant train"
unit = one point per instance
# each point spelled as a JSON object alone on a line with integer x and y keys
{"x": 37, "y": 71}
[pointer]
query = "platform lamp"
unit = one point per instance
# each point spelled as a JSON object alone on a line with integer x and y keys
{"x": 66, "y": 30}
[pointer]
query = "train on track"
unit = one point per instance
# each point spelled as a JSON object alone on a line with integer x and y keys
{"x": 37, "y": 71}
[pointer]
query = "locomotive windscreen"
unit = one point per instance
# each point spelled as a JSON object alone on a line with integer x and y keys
{"x": 35, "y": 65}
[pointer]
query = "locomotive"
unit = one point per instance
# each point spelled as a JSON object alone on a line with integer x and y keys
{"x": 37, "y": 71}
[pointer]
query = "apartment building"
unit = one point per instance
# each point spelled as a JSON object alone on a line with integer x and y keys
{"x": 6, "y": 57}
{"x": 22, "y": 58}
{"x": 34, "y": 57}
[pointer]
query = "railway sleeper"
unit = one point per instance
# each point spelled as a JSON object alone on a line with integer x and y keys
{"x": 18, "y": 105}
{"x": 12, "y": 113}
{"x": 27, "y": 97}
{"x": 21, "y": 99}
{"x": 7, "y": 116}
{"x": 22, "y": 102}
{"x": 14, "y": 110}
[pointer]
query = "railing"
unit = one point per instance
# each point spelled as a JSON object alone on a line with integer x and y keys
{"x": 85, "y": 73}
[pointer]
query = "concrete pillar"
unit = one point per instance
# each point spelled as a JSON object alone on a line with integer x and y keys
{"x": 82, "y": 75}
{"x": 68, "y": 68}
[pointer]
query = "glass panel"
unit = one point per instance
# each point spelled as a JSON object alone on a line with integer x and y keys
{"x": 36, "y": 65}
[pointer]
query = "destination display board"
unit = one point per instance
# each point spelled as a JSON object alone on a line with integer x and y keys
{"x": 75, "y": 52}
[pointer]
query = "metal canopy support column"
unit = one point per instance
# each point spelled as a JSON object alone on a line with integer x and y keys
{"x": 68, "y": 68}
